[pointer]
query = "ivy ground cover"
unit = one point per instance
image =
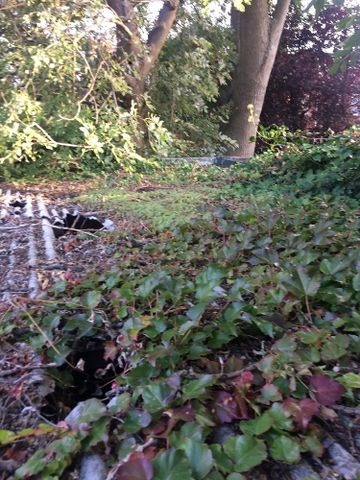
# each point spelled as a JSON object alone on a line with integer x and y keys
{"x": 221, "y": 344}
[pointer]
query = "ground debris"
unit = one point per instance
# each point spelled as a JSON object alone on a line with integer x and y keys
{"x": 24, "y": 384}
{"x": 344, "y": 463}
{"x": 302, "y": 471}
{"x": 92, "y": 467}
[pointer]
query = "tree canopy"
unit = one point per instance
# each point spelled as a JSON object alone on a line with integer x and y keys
{"x": 96, "y": 85}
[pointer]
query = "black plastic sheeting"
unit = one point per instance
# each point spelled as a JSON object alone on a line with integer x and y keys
{"x": 70, "y": 222}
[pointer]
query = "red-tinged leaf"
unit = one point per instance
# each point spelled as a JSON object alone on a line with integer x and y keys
{"x": 151, "y": 452}
{"x": 111, "y": 350}
{"x": 226, "y": 407}
{"x": 243, "y": 406}
{"x": 244, "y": 379}
{"x": 185, "y": 413}
{"x": 157, "y": 429}
{"x": 136, "y": 469}
{"x": 328, "y": 413}
{"x": 210, "y": 365}
{"x": 302, "y": 411}
{"x": 12, "y": 453}
{"x": 327, "y": 390}
{"x": 148, "y": 453}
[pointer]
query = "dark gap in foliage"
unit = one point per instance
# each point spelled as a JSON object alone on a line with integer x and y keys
{"x": 69, "y": 222}
{"x": 91, "y": 378}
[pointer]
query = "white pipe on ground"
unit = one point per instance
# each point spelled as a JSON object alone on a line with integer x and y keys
{"x": 29, "y": 207}
{"x": 48, "y": 234}
{"x": 4, "y": 209}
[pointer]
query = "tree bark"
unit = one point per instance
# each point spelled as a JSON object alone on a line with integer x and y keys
{"x": 257, "y": 36}
{"x": 141, "y": 56}
{"x": 127, "y": 33}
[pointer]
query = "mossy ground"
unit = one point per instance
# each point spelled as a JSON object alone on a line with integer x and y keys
{"x": 161, "y": 206}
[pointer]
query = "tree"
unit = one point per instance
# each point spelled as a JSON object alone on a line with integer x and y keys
{"x": 302, "y": 92}
{"x": 67, "y": 75}
{"x": 194, "y": 64}
{"x": 347, "y": 52}
{"x": 61, "y": 83}
{"x": 257, "y": 34}
{"x": 141, "y": 56}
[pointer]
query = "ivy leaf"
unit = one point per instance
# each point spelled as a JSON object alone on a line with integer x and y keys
{"x": 207, "y": 281}
{"x": 137, "y": 469}
{"x": 150, "y": 283}
{"x": 86, "y": 412}
{"x": 196, "y": 388}
{"x": 91, "y": 299}
{"x": 335, "y": 347}
{"x": 140, "y": 375}
{"x": 33, "y": 466}
{"x": 327, "y": 390}
{"x": 349, "y": 380}
{"x": 179, "y": 438}
{"x": 223, "y": 463}
{"x": 226, "y": 407}
{"x": 331, "y": 267}
{"x": 245, "y": 451}
{"x": 302, "y": 411}
{"x": 284, "y": 449}
{"x": 270, "y": 393}
{"x": 196, "y": 312}
{"x": 135, "y": 420}
{"x": 200, "y": 458}
{"x": 119, "y": 403}
{"x": 301, "y": 284}
{"x": 98, "y": 433}
{"x": 172, "y": 465}
{"x": 280, "y": 417}
{"x": 286, "y": 344}
{"x": 314, "y": 445}
{"x": 311, "y": 336}
{"x": 259, "y": 425}
{"x": 157, "y": 396}
{"x": 356, "y": 282}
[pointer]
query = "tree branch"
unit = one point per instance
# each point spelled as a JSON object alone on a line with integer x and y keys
{"x": 277, "y": 23}
{"x": 128, "y": 38}
{"x": 158, "y": 35}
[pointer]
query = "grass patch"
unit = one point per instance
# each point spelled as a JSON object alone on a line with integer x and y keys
{"x": 162, "y": 208}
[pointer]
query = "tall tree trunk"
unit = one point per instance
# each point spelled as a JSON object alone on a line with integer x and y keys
{"x": 257, "y": 35}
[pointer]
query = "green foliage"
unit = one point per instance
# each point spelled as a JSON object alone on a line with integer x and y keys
{"x": 193, "y": 68}
{"x": 62, "y": 93}
{"x": 297, "y": 166}
{"x": 65, "y": 93}
{"x": 333, "y": 166}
